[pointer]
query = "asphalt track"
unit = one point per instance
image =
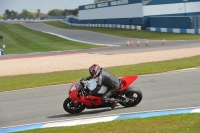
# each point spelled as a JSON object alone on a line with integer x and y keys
{"x": 93, "y": 37}
{"x": 99, "y": 38}
{"x": 178, "y": 89}
{"x": 82, "y": 35}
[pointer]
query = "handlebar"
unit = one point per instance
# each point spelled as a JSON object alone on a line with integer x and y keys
{"x": 83, "y": 83}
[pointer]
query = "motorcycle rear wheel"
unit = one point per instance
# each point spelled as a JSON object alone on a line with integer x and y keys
{"x": 72, "y": 107}
{"x": 133, "y": 97}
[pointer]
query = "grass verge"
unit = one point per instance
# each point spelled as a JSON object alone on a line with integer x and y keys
{"x": 142, "y": 34}
{"x": 8, "y": 83}
{"x": 19, "y": 40}
{"x": 184, "y": 123}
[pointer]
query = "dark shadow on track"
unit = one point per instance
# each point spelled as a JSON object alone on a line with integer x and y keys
{"x": 93, "y": 111}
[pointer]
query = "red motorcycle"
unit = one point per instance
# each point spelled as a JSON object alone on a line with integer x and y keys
{"x": 81, "y": 96}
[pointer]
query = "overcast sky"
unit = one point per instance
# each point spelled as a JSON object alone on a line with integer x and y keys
{"x": 44, "y": 5}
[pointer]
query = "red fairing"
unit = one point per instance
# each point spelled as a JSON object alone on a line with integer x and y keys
{"x": 90, "y": 100}
{"x": 126, "y": 81}
{"x": 71, "y": 87}
{"x": 72, "y": 84}
{"x": 87, "y": 100}
{"x": 73, "y": 94}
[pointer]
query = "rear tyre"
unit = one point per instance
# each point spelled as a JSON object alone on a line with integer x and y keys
{"x": 131, "y": 97}
{"x": 73, "y": 107}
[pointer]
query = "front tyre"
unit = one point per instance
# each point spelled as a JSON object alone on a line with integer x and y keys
{"x": 73, "y": 107}
{"x": 131, "y": 97}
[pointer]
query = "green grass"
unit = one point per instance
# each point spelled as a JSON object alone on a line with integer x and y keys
{"x": 35, "y": 80}
{"x": 184, "y": 123}
{"x": 19, "y": 39}
{"x": 143, "y": 34}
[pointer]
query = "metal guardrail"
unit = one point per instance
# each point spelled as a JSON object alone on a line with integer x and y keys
{"x": 133, "y": 27}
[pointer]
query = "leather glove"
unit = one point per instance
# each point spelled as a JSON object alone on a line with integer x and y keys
{"x": 83, "y": 79}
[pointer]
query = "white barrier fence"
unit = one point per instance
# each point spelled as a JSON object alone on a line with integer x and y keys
{"x": 174, "y": 30}
{"x": 133, "y": 27}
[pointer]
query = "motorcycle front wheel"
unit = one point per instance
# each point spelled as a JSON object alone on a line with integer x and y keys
{"x": 73, "y": 107}
{"x": 131, "y": 97}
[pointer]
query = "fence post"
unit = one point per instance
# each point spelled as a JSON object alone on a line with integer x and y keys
{"x": 198, "y": 22}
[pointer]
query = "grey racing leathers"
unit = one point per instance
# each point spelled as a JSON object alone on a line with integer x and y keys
{"x": 109, "y": 80}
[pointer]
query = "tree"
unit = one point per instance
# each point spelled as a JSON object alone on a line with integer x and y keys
{"x": 55, "y": 12}
{"x": 7, "y": 13}
{"x": 10, "y": 14}
{"x": 65, "y": 12}
{"x": 13, "y": 14}
{"x": 35, "y": 14}
{"x": 75, "y": 12}
{"x": 70, "y": 12}
{"x": 26, "y": 14}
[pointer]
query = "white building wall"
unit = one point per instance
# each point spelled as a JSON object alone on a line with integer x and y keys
{"x": 193, "y": 7}
{"x": 123, "y": 11}
{"x": 175, "y": 8}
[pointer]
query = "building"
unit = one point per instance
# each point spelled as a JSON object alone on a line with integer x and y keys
{"x": 154, "y": 13}
{"x": 96, "y": 1}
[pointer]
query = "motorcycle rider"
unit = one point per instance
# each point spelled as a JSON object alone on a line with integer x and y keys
{"x": 107, "y": 79}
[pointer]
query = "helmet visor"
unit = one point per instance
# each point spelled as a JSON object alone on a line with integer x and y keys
{"x": 92, "y": 73}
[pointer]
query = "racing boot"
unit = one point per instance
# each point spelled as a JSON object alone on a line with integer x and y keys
{"x": 113, "y": 103}
{"x": 107, "y": 100}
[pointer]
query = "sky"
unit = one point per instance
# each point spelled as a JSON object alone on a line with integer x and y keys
{"x": 43, "y": 5}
